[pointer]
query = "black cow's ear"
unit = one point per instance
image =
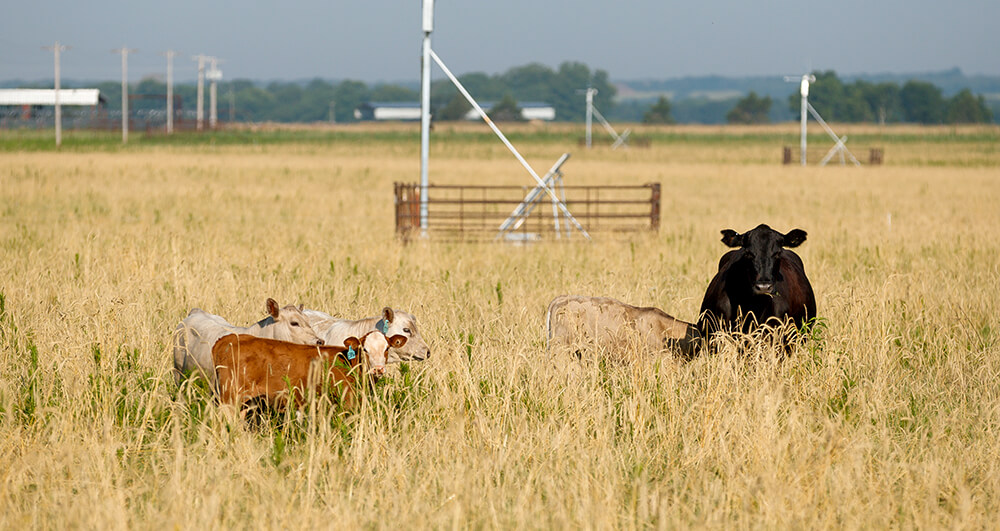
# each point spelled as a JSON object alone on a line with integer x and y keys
{"x": 731, "y": 238}
{"x": 794, "y": 238}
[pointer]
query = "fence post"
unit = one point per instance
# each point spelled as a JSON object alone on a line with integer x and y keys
{"x": 654, "y": 207}
{"x": 786, "y": 155}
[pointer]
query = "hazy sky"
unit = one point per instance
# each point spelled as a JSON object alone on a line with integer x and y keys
{"x": 379, "y": 40}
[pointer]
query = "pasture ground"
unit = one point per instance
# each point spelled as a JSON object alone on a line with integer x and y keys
{"x": 889, "y": 418}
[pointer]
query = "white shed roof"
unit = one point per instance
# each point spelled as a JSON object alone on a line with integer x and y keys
{"x": 48, "y": 96}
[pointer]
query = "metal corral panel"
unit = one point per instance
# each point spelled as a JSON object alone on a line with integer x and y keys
{"x": 48, "y": 96}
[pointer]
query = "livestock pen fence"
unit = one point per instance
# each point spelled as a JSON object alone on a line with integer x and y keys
{"x": 477, "y": 213}
{"x": 792, "y": 155}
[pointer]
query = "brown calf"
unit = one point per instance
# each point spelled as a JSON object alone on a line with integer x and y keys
{"x": 250, "y": 367}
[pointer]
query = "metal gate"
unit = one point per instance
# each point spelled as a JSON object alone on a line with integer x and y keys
{"x": 476, "y": 213}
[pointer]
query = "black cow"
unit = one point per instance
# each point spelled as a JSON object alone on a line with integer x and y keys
{"x": 759, "y": 282}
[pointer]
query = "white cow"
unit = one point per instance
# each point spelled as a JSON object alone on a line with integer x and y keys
{"x": 392, "y": 322}
{"x": 579, "y": 324}
{"x": 195, "y": 336}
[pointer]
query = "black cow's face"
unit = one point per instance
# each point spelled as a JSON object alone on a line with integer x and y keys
{"x": 761, "y": 251}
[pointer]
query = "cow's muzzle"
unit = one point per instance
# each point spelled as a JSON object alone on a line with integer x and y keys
{"x": 764, "y": 288}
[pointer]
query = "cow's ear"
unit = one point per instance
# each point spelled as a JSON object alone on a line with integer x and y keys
{"x": 272, "y": 308}
{"x": 387, "y": 314}
{"x": 397, "y": 341}
{"x": 732, "y": 238}
{"x": 794, "y": 238}
{"x": 352, "y": 342}
{"x": 302, "y": 307}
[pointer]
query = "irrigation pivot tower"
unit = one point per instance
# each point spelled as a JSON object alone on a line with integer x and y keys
{"x": 804, "y": 92}
{"x": 620, "y": 140}
{"x": 425, "y": 110}
{"x": 425, "y": 121}
{"x": 838, "y": 141}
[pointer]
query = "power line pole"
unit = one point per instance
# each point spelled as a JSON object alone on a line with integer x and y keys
{"x": 214, "y": 75}
{"x": 124, "y": 51}
{"x": 201, "y": 90}
{"x": 170, "y": 90}
{"x": 57, "y": 48}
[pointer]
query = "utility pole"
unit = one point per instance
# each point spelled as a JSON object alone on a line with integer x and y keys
{"x": 201, "y": 90}
{"x": 57, "y": 48}
{"x": 214, "y": 75}
{"x": 170, "y": 90}
{"x": 124, "y": 51}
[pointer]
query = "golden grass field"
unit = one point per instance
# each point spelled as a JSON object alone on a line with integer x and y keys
{"x": 889, "y": 419}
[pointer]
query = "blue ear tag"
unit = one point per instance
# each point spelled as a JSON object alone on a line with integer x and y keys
{"x": 382, "y": 326}
{"x": 351, "y": 354}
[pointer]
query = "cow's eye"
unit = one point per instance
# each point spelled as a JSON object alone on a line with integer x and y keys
{"x": 406, "y": 331}
{"x": 295, "y": 323}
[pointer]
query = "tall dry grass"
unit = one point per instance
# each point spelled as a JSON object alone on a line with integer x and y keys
{"x": 889, "y": 418}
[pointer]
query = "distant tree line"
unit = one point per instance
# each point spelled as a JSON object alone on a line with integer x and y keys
{"x": 914, "y": 102}
{"x": 322, "y": 101}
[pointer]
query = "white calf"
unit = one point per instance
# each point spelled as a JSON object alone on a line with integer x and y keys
{"x": 391, "y": 323}
{"x": 195, "y": 336}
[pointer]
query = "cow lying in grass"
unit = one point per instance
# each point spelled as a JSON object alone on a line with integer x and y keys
{"x": 250, "y": 367}
{"x": 585, "y": 324}
{"x": 392, "y": 322}
{"x": 195, "y": 336}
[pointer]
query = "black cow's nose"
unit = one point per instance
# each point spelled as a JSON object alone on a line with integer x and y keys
{"x": 763, "y": 287}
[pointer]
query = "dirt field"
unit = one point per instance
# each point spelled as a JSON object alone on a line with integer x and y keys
{"x": 889, "y": 418}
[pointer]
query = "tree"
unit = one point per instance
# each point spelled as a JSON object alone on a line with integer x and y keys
{"x": 964, "y": 108}
{"x": 922, "y": 103}
{"x": 659, "y": 113}
{"x": 883, "y": 98}
{"x": 506, "y": 110}
{"x": 455, "y": 109}
{"x": 750, "y": 110}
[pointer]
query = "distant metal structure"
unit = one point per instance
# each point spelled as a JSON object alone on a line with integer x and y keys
{"x": 124, "y": 50}
{"x": 214, "y": 75}
{"x": 57, "y": 49}
{"x": 553, "y": 179}
{"x": 620, "y": 140}
{"x": 839, "y": 146}
{"x": 425, "y": 120}
{"x": 170, "y": 90}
